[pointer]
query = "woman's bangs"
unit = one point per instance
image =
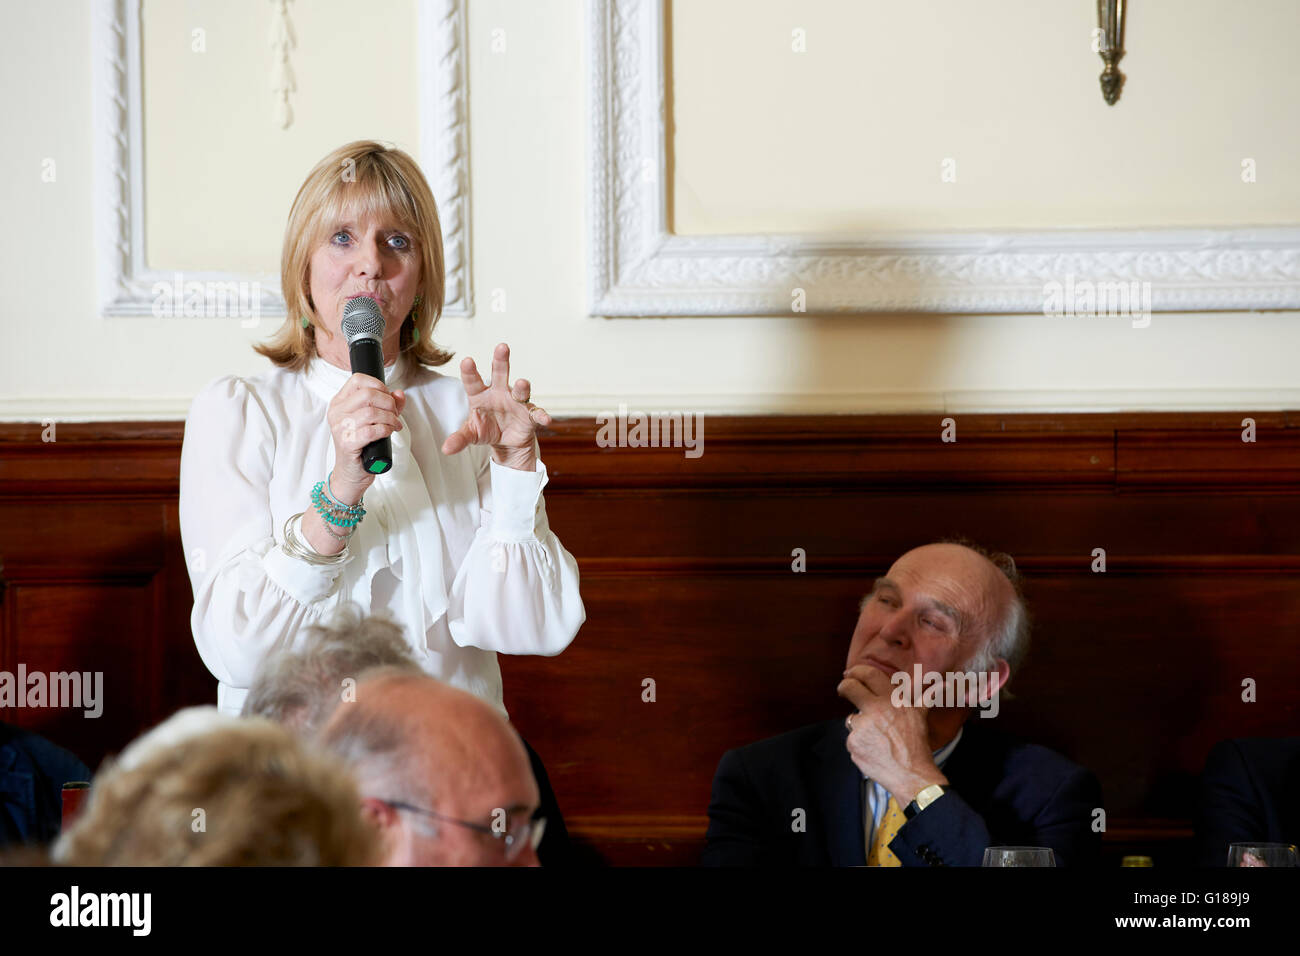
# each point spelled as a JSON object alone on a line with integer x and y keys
{"x": 374, "y": 195}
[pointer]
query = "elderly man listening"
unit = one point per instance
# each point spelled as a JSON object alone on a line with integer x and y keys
{"x": 444, "y": 779}
{"x": 907, "y": 780}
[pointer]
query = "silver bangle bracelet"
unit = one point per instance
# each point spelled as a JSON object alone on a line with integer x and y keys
{"x": 341, "y": 537}
{"x": 296, "y": 549}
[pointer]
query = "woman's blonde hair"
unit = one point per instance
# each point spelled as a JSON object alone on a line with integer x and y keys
{"x": 360, "y": 180}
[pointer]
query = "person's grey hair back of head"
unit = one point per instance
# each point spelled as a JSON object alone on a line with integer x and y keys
{"x": 300, "y": 687}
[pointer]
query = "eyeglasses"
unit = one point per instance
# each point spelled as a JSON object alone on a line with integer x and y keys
{"x": 513, "y": 838}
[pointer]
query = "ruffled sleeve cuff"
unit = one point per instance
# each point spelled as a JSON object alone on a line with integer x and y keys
{"x": 301, "y": 580}
{"x": 516, "y": 502}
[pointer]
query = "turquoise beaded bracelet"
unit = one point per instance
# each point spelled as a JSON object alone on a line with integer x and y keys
{"x": 335, "y": 512}
{"x": 329, "y": 493}
{"x": 327, "y": 511}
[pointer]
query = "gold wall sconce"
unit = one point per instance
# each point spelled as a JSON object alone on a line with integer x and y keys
{"x": 1110, "y": 23}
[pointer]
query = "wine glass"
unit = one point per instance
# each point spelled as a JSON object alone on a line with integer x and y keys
{"x": 1261, "y": 854}
{"x": 1019, "y": 856}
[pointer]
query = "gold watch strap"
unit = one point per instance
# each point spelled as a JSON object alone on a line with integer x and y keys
{"x": 929, "y": 795}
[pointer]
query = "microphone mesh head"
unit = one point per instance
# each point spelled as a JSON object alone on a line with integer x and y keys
{"x": 362, "y": 320}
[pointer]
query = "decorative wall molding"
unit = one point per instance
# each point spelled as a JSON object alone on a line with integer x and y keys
{"x": 444, "y": 139}
{"x": 639, "y": 268}
{"x": 283, "y": 40}
{"x": 126, "y": 282}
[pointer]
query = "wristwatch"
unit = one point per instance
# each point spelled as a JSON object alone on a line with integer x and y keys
{"x": 924, "y": 799}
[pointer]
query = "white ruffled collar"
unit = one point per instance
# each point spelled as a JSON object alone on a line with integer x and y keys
{"x": 325, "y": 379}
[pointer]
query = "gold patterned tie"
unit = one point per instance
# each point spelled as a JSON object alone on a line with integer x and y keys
{"x": 893, "y": 821}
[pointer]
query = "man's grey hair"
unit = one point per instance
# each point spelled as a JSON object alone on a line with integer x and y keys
{"x": 1010, "y": 639}
{"x": 385, "y": 757}
{"x": 300, "y": 687}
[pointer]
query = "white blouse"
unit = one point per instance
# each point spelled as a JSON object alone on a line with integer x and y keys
{"x": 457, "y": 548}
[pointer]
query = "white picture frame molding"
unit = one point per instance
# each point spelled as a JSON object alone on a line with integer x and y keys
{"x": 125, "y": 282}
{"x": 639, "y": 268}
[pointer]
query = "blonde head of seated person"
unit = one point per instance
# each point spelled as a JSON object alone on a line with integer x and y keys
{"x": 204, "y": 789}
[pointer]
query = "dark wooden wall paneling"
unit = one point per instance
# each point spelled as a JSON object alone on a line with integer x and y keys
{"x": 686, "y": 567}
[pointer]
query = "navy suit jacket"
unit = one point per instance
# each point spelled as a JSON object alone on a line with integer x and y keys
{"x": 1250, "y": 791}
{"x": 1002, "y": 792}
{"x": 32, "y": 774}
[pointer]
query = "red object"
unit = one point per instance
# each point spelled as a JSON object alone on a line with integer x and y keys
{"x": 74, "y": 797}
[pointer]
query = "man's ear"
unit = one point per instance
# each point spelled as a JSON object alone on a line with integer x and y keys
{"x": 997, "y": 679}
{"x": 378, "y": 814}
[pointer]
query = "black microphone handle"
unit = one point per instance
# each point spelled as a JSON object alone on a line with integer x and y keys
{"x": 368, "y": 359}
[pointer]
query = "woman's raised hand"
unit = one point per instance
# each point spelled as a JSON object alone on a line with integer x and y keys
{"x": 364, "y": 410}
{"x": 499, "y": 415}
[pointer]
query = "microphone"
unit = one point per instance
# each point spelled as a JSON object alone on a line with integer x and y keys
{"x": 363, "y": 327}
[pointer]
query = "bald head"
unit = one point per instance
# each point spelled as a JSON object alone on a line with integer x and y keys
{"x": 978, "y": 591}
{"x": 456, "y": 732}
{"x": 414, "y": 740}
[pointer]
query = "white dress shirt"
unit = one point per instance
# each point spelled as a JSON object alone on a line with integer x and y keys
{"x": 457, "y": 548}
{"x": 878, "y": 797}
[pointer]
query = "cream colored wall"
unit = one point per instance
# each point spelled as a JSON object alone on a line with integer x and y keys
{"x": 850, "y": 133}
{"x": 221, "y": 175}
{"x": 528, "y": 125}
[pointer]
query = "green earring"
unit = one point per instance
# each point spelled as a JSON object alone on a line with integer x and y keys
{"x": 415, "y": 329}
{"x": 305, "y": 322}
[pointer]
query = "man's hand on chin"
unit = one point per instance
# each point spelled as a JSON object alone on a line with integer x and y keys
{"x": 889, "y": 744}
